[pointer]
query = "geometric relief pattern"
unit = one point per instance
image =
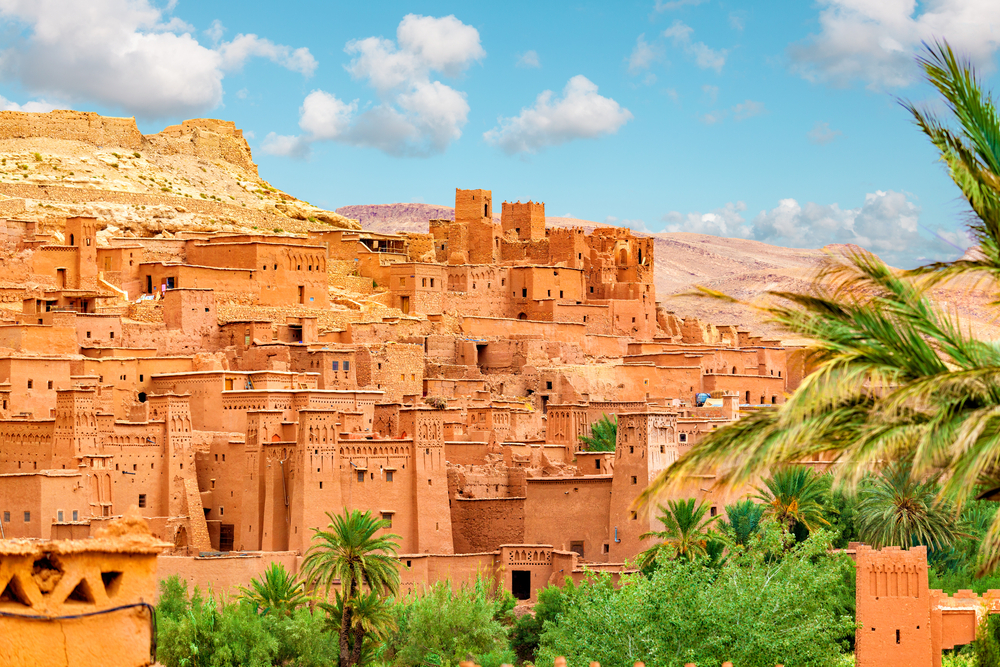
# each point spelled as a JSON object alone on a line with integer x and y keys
{"x": 44, "y": 585}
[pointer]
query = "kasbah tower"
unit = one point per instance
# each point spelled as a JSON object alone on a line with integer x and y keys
{"x": 234, "y": 386}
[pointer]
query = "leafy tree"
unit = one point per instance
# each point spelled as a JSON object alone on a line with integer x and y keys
{"x": 685, "y": 532}
{"x": 897, "y": 509}
{"x": 794, "y": 496}
{"x": 742, "y": 522}
{"x": 372, "y": 621}
{"x": 444, "y": 625}
{"x": 351, "y": 551}
{"x": 895, "y": 375}
{"x": 753, "y": 611}
{"x": 528, "y": 629}
{"x": 276, "y": 590}
{"x": 603, "y": 435}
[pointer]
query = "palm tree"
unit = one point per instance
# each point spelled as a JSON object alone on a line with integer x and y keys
{"x": 685, "y": 531}
{"x": 895, "y": 376}
{"x": 351, "y": 552}
{"x": 371, "y": 622}
{"x": 742, "y": 522}
{"x": 276, "y": 590}
{"x": 794, "y": 496}
{"x": 898, "y": 509}
{"x": 603, "y": 435}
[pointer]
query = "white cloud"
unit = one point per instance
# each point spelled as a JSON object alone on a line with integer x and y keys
{"x": 822, "y": 134}
{"x": 581, "y": 113}
{"x": 748, "y": 109}
{"x": 128, "y": 54}
{"x": 704, "y": 56}
{"x": 742, "y": 111}
{"x": 643, "y": 55}
{"x": 725, "y": 221}
{"x": 529, "y": 60}
{"x": 737, "y": 20}
{"x": 243, "y": 47}
{"x": 875, "y": 42}
{"x": 886, "y": 223}
{"x": 414, "y": 116}
{"x": 34, "y": 106}
{"x": 216, "y": 31}
{"x": 667, "y": 5}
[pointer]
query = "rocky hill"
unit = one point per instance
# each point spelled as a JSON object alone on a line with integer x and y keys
{"x": 199, "y": 175}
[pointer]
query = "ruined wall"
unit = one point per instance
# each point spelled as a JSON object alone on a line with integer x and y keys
{"x": 72, "y": 125}
{"x": 480, "y": 525}
{"x": 207, "y": 138}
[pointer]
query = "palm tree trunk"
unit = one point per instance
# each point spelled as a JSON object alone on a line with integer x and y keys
{"x": 345, "y": 625}
{"x": 359, "y": 640}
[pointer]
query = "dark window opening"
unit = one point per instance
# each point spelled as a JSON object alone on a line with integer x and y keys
{"x": 361, "y": 475}
{"x": 227, "y": 532}
{"x": 142, "y": 500}
{"x": 577, "y": 547}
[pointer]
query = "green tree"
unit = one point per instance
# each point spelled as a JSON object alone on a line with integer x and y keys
{"x": 794, "y": 496}
{"x": 897, "y": 509}
{"x": 753, "y": 610}
{"x": 444, "y": 625}
{"x": 894, "y": 375}
{"x": 528, "y": 629}
{"x": 742, "y": 522}
{"x": 603, "y": 435}
{"x": 685, "y": 532}
{"x": 275, "y": 591}
{"x": 351, "y": 551}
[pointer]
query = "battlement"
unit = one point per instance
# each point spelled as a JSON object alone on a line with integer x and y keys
{"x": 473, "y": 206}
{"x": 73, "y": 126}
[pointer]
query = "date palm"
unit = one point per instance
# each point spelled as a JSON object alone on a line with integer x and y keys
{"x": 685, "y": 532}
{"x": 898, "y": 509}
{"x": 603, "y": 435}
{"x": 742, "y": 522}
{"x": 275, "y": 591}
{"x": 794, "y": 496}
{"x": 895, "y": 376}
{"x": 352, "y": 552}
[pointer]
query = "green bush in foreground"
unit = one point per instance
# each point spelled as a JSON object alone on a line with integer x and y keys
{"x": 753, "y": 610}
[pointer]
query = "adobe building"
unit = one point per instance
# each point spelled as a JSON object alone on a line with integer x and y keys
{"x": 234, "y": 387}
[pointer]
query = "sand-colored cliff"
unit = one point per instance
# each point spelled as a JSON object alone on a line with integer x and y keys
{"x": 199, "y": 175}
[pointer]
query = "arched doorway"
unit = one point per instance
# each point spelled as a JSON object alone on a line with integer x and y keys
{"x": 522, "y": 316}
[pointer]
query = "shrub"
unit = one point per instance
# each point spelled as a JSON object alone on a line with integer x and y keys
{"x": 444, "y": 627}
{"x": 753, "y": 610}
{"x": 38, "y": 157}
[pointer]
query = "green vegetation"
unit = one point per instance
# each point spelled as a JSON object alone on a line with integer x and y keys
{"x": 276, "y": 592}
{"x": 685, "y": 532}
{"x": 603, "y": 435}
{"x": 38, "y": 157}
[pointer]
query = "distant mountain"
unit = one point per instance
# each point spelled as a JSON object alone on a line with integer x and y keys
{"x": 391, "y": 218}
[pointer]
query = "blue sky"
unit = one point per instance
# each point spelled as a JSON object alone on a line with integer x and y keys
{"x": 776, "y": 121}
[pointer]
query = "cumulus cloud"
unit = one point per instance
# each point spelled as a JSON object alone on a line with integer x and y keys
{"x": 128, "y": 54}
{"x": 886, "y": 223}
{"x": 822, "y": 134}
{"x": 581, "y": 113}
{"x": 874, "y": 42}
{"x": 748, "y": 109}
{"x": 643, "y": 55}
{"x": 725, "y": 221}
{"x": 34, "y": 106}
{"x": 529, "y": 60}
{"x": 415, "y": 115}
{"x": 706, "y": 58}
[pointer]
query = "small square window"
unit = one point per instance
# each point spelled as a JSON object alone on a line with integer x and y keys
{"x": 59, "y": 516}
{"x": 222, "y": 510}
{"x": 388, "y": 475}
{"x": 548, "y": 384}
{"x": 142, "y": 500}
{"x": 683, "y": 437}
{"x": 27, "y": 517}
{"x": 111, "y": 335}
{"x": 76, "y": 515}
{"x": 88, "y": 334}
{"x": 6, "y": 517}
{"x": 635, "y": 480}
{"x": 361, "y": 475}
{"x": 347, "y": 366}
{"x": 50, "y": 384}
{"x": 31, "y": 383}
{"x": 336, "y": 365}
{"x": 387, "y": 517}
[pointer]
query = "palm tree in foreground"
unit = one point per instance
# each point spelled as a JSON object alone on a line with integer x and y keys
{"x": 894, "y": 375}
{"x": 275, "y": 591}
{"x": 603, "y": 435}
{"x": 794, "y": 496}
{"x": 685, "y": 531}
{"x": 352, "y": 552}
{"x": 897, "y": 509}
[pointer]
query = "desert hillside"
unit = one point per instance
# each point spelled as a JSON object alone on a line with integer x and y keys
{"x": 197, "y": 176}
